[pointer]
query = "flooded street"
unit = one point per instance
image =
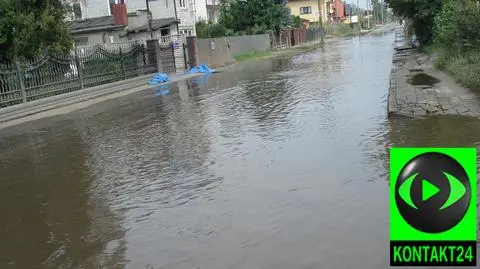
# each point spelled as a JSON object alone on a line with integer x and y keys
{"x": 272, "y": 164}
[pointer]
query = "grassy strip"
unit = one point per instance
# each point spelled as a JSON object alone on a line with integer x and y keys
{"x": 464, "y": 67}
{"x": 253, "y": 55}
{"x": 258, "y": 55}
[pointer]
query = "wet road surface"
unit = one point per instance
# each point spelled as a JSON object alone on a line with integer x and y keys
{"x": 272, "y": 164}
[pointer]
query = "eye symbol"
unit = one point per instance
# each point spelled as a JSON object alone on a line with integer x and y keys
{"x": 457, "y": 190}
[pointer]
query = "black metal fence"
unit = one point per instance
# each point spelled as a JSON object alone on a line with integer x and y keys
{"x": 85, "y": 67}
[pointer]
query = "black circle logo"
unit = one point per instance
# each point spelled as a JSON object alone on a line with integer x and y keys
{"x": 432, "y": 192}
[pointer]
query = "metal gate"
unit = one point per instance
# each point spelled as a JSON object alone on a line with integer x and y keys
{"x": 168, "y": 58}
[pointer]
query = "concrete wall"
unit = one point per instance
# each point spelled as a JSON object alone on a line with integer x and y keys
{"x": 99, "y": 37}
{"x": 225, "y": 48}
{"x": 244, "y": 44}
{"x": 146, "y": 35}
{"x": 213, "y": 52}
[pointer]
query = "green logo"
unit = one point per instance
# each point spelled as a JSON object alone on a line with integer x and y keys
{"x": 433, "y": 206}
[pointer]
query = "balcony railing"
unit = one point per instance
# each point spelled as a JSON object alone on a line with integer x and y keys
{"x": 171, "y": 38}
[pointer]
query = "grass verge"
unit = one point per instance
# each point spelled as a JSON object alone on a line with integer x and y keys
{"x": 464, "y": 67}
{"x": 258, "y": 55}
{"x": 253, "y": 55}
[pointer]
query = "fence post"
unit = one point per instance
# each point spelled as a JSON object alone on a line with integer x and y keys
{"x": 79, "y": 69}
{"x": 185, "y": 55}
{"x": 154, "y": 54}
{"x": 122, "y": 63}
{"x": 192, "y": 51}
{"x": 21, "y": 81}
{"x": 173, "y": 53}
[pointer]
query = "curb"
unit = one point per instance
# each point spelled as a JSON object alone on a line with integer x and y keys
{"x": 63, "y": 100}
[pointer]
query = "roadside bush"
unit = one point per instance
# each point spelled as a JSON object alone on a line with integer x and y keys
{"x": 457, "y": 27}
{"x": 344, "y": 29}
{"x": 210, "y": 30}
{"x": 457, "y": 42}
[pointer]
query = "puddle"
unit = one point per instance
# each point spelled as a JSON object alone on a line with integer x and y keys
{"x": 422, "y": 79}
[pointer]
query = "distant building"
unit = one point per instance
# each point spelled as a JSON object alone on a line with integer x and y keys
{"x": 335, "y": 10}
{"x": 311, "y": 11}
{"x": 207, "y": 10}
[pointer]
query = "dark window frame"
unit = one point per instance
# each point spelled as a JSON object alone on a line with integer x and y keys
{"x": 305, "y": 10}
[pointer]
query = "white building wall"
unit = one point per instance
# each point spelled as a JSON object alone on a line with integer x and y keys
{"x": 159, "y": 8}
{"x": 201, "y": 10}
{"x": 95, "y": 8}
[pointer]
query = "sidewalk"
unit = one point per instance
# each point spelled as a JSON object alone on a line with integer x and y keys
{"x": 69, "y": 102}
{"x": 418, "y": 89}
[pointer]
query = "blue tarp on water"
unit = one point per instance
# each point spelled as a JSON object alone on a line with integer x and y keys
{"x": 158, "y": 78}
{"x": 203, "y": 68}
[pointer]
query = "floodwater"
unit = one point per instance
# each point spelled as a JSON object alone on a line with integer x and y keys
{"x": 271, "y": 164}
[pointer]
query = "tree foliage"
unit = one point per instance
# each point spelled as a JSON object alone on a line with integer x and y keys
{"x": 296, "y": 21}
{"x": 28, "y": 27}
{"x": 211, "y": 30}
{"x": 422, "y": 14}
{"x": 378, "y": 9}
{"x": 457, "y": 26}
{"x": 254, "y": 16}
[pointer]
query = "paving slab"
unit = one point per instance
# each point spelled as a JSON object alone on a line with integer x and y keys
{"x": 418, "y": 89}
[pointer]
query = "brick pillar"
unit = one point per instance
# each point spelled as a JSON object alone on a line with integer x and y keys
{"x": 153, "y": 53}
{"x": 192, "y": 51}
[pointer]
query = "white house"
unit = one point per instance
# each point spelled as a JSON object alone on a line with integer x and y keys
{"x": 207, "y": 10}
{"x": 161, "y": 10}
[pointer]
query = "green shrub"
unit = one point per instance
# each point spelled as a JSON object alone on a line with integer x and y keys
{"x": 210, "y": 30}
{"x": 343, "y": 29}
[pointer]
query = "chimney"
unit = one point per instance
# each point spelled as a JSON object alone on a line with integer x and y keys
{"x": 120, "y": 13}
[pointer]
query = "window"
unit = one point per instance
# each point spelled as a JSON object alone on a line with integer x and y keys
{"x": 164, "y": 31}
{"x": 81, "y": 41}
{"x": 182, "y": 4}
{"x": 185, "y": 32}
{"x": 211, "y": 15}
{"x": 305, "y": 10}
{"x": 111, "y": 2}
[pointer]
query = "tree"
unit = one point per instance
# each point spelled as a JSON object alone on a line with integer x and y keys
{"x": 456, "y": 26}
{"x": 250, "y": 16}
{"x": 422, "y": 14}
{"x": 29, "y": 27}
{"x": 296, "y": 21}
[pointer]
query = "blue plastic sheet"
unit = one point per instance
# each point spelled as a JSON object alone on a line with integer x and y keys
{"x": 158, "y": 78}
{"x": 203, "y": 68}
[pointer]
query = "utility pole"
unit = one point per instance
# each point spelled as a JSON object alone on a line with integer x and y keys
{"x": 322, "y": 30}
{"x": 368, "y": 14}
{"x": 383, "y": 10}
{"x": 149, "y": 18}
{"x": 358, "y": 17}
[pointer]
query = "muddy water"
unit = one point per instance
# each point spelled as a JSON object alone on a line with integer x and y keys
{"x": 273, "y": 164}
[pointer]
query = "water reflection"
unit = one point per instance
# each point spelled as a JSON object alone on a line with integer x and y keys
{"x": 50, "y": 217}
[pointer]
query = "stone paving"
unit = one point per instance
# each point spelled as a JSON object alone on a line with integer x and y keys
{"x": 413, "y": 97}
